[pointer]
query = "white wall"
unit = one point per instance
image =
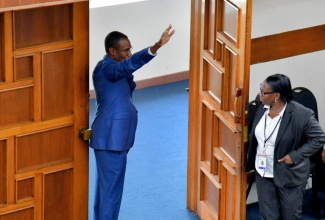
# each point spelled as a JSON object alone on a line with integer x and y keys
{"x": 144, "y": 22}
{"x": 276, "y": 16}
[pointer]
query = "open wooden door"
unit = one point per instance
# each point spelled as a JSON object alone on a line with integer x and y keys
{"x": 219, "y": 78}
{"x": 43, "y": 103}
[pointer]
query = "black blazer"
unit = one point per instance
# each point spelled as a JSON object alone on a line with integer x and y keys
{"x": 300, "y": 136}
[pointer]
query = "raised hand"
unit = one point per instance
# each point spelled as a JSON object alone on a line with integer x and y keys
{"x": 165, "y": 37}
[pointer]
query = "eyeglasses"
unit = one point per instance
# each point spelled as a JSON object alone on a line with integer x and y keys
{"x": 128, "y": 50}
{"x": 264, "y": 93}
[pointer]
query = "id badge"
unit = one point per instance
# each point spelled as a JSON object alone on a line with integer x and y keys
{"x": 262, "y": 162}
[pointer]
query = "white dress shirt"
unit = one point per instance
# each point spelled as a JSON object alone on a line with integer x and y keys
{"x": 266, "y": 134}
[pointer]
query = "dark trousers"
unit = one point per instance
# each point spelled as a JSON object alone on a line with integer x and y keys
{"x": 111, "y": 167}
{"x": 278, "y": 203}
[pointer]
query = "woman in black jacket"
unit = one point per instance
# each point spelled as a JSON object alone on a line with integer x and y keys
{"x": 284, "y": 135}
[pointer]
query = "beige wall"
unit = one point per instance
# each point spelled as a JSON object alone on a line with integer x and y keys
{"x": 276, "y": 16}
{"x": 143, "y": 22}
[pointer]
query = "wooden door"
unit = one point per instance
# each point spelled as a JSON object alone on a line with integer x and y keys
{"x": 219, "y": 78}
{"x": 43, "y": 103}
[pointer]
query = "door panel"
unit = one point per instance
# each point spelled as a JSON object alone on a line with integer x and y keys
{"x": 49, "y": 147}
{"x": 217, "y": 97}
{"x": 57, "y": 97}
{"x": 3, "y": 172}
{"x": 58, "y": 187}
{"x": 39, "y": 21}
{"x": 14, "y": 113}
{"x": 43, "y": 103}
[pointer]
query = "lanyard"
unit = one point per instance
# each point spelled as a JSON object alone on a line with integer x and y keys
{"x": 266, "y": 139}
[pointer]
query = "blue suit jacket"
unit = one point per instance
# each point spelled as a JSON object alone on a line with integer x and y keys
{"x": 299, "y": 135}
{"x": 116, "y": 118}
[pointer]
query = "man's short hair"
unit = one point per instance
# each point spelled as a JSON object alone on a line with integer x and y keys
{"x": 113, "y": 39}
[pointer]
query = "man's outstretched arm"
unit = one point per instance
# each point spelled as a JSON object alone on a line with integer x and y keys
{"x": 165, "y": 37}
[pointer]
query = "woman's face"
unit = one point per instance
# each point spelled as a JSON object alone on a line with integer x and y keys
{"x": 267, "y": 96}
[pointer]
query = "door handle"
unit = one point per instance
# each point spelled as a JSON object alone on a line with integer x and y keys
{"x": 237, "y": 105}
{"x": 85, "y": 134}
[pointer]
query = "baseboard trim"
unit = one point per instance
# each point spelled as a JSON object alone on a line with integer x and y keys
{"x": 155, "y": 81}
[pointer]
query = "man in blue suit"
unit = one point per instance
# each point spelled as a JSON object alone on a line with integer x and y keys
{"x": 114, "y": 126}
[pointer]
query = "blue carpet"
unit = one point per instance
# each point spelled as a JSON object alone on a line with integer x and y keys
{"x": 155, "y": 184}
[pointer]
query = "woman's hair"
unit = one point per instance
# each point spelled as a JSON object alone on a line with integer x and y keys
{"x": 281, "y": 83}
{"x": 113, "y": 40}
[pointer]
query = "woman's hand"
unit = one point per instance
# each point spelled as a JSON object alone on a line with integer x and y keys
{"x": 286, "y": 159}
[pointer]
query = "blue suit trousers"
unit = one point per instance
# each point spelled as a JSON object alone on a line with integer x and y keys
{"x": 111, "y": 167}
